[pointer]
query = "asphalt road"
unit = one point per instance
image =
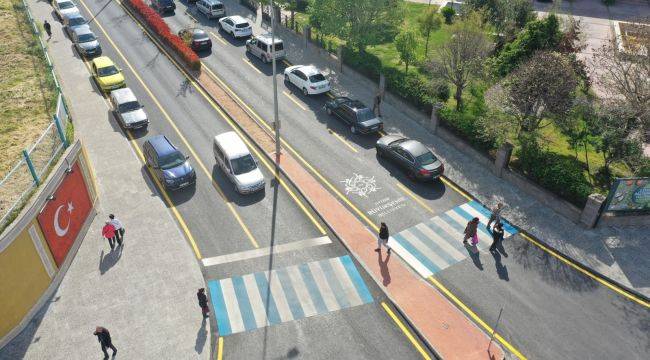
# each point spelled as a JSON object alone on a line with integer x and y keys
{"x": 273, "y": 218}
{"x": 531, "y": 296}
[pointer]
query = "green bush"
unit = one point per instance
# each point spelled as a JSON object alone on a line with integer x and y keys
{"x": 466, "y": 125}
{"x": 448, "y": 12}
{"x": 562, "y": 175}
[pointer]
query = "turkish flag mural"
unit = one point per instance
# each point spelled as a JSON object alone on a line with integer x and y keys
{"x": 63, "y": 217}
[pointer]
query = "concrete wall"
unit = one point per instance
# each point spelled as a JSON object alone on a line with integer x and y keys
{"x": 28, "y": 271}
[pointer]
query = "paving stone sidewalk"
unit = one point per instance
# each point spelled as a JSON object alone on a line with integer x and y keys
{"x": 621, "y": 254}
{"x": 145, "y": 293}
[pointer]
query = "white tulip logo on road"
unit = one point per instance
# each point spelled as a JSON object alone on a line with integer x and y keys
{"x": 57, "y": 226}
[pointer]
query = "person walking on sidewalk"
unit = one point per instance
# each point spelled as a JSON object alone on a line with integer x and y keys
{"x": 497, "y": 236}
{"x": 48, "y": 29}
{"x": 470, "y": 231}
{"x": 119, "y": 229}
{"x": 496, "y": 215}
{"x": 104, "y": 338}
{"x": 108, "y": 231}
{"x": 376, "y": 107}
{"x": 203, "y": 302}
{"x": 382, "y": 239}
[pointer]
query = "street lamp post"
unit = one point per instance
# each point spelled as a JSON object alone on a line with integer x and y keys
{"x": 276, "y": 119}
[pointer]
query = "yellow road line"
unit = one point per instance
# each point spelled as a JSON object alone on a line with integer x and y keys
{"x": 191, "y": 16}
{"x": 218, "y": 38}
{"x": 251, "y": 65}
{"x": 161, "y": 188}
{"x": 382, "y": 133}
{"x": 330, "y": 95}
{"x": 587, "y": 273}
{"x": 178, "y": 132}
{"x": 342, "y": 140}
{"x": 406, "y": 331}
{"x": 286, "y": 62}
{"x": 220, "y": 348}
{"x": 476, "y": 318}
{"x": 234, "y": 127}
{"x": 294, "y": 100}
{"x": 456, "y": 188}
{"x": 414, "y": 197}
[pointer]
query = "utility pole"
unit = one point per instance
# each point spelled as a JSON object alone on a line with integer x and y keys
{"x": 276, "y": 119}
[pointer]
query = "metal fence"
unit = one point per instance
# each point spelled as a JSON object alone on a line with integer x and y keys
{"x": 35, "y": 162}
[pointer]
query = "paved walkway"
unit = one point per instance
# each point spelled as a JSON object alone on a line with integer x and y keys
{"x": 618, "y": 253}
{"x": 144, "y": 293}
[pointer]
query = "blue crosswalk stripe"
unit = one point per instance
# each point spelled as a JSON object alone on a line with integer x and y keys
{"x": 436, "y": 244}
{"x": 244, "y": 303}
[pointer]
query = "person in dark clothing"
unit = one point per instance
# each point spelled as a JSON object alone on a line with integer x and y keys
{"x": 497, "y": 236}
{"x": 376, "y": 107}
{"x": 382, "y": 239}
{"x": 203, "y": 302}
{"x": 48, "y": 29}
{"x": 104, "y": 338}
{"x": 119, "y": 228}
{"x": 470, "y": 230}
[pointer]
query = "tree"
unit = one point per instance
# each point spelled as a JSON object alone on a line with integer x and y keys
{"x": 406, "y": 44}
{"x": 626, "y": 77}
{"x": 429, "y": 21}
{"x": 448, "y": 12}
{"x": 507, "y": 16}
{"x": 542, "y": 88}
{"x": 617, "y": 130}
{"x": 359, "y": 22}
{"x": 461, "y": 58}
{"x": 537, "y": 35}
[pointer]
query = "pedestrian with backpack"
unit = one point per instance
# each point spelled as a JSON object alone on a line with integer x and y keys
{"x": 108, "y": 231}
{"x": 382, "y": 239}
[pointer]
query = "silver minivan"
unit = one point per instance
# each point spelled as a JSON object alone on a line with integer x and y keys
{"x": 237, "y": 163}
{"x": 260, "y": 46}
{"x": 211, "y": 8}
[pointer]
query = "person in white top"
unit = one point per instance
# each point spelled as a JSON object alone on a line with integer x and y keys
{"x": 119, "y": 229}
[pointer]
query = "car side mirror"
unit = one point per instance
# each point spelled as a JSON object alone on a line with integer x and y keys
{"x": 187, "y": 157}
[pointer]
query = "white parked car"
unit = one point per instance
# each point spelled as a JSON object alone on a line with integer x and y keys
{"x": 236, "y": 26}
{"x": 211, "y": 8}
{"x": 308, "y": 78}
{"x": 237, "y": 163}
{"x": 64, "y": 8}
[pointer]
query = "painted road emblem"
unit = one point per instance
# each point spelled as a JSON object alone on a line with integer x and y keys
{"x": 360, "y": 185}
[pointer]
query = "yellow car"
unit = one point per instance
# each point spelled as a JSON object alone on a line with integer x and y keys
{"x": 106, "y": 74}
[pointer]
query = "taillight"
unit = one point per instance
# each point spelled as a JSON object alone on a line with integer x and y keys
{"x": 312, "y": 87}
{"x": 442, "y": 168}
{"x": 424, "y": 172}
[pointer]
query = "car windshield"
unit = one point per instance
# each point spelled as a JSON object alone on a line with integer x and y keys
{"x": 426, "y": 159}
{"x": 279, "y": 46}
{"x": 172, "y": 160}
{"x": 129, "y": 106}
{"x": 166, "y": 2}
{"x": 199, "y": 35}
{"x": 365, "y": 114}
{"x": 398, "y": 141}
{"x": 217, "y": 6}
{"x": 242, "y": 25}
{"x": 76, "y": 21}
{"x": 317, "y": 78}
{"x": 66, "y": 5}
{"x": 107, "y": 71}
{"x": 86, "y": 38}
{"x": 243, "y": 164}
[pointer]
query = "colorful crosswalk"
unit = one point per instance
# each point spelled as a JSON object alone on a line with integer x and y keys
{"x": 266, "y": 298}
{"x": 438, "y": 243}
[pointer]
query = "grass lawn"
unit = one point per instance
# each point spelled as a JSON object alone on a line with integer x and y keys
{"x": 27, "y": 92}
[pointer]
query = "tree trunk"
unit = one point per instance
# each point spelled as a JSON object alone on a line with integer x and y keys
{"x": 587, "y": 161}
{"x": 459, "y": 98}
{"x": 293, "y": 19}
{"x": 426, "y": 45}
{"x": 407, "y": 67}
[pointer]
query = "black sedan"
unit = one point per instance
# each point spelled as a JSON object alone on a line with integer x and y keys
{"x": 415, "y": 159}
{"x": 357, "y": 115}
{"x": 196, "y": 38}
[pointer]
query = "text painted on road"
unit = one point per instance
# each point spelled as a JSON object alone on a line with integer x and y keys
{"x": 387, "y": 206}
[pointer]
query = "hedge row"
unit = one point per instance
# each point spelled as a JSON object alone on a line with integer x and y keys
{"x": 158, "y": 25}
{"x": 413, "y": 87}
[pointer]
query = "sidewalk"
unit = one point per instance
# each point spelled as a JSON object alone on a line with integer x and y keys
{"x": 618, "y": 253}
{"x": 144, "y": 293}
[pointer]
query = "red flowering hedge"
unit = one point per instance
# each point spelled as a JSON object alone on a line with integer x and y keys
{"x": 158, "y": 25}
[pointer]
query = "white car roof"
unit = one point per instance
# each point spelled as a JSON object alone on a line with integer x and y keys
{"x": 123, "y": 95}
{"x": 266, "y": 38}
{"x": 309, "y": 70}
{"x": 64, "y": 1}
{"x": 238, "y": 19}
{"x": 231, "y": 145}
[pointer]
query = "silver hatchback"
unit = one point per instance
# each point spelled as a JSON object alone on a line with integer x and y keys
{"x": 128, "y": 110}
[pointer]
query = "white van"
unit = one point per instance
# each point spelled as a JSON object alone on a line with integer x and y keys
{"x": 211, "y": 8}
{"x": 260, "y": 46}
{"x": 237, "y": 163}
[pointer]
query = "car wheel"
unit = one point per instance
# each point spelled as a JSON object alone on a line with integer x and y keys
{"x": 380, "y": 152}
{"x": 410, "y": 175}
{"x": 353, "y": 129}
{"x": 286, "y": 78}
{"x": 264, "y": 59}
{"x": 328, "y": 111}
{"x": 305, "y": 92}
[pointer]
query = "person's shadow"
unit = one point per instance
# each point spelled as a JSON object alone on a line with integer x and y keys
{"x": 109, "y": 260}
{"x": 201, "y": 336}
{"x": 383, "y": 267}
{"x": 474, "y": 254}
{"x": 502, "y": 270}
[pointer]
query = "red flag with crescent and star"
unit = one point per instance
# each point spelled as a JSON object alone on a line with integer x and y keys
{"x": 62, "y": 218}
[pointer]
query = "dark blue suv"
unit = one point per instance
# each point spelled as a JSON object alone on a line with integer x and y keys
{"x": 168, "y": 163}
